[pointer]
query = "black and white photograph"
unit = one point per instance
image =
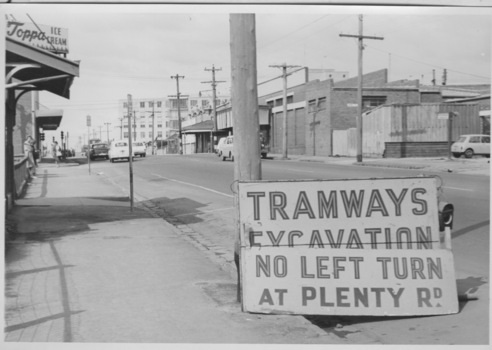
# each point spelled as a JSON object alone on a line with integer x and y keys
{"x": 246, "y": 175}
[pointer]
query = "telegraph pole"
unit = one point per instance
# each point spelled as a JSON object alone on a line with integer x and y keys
{"x": 107, "y": 130}
{"x": 285, "y": 124}
{"x": 360, "y": 38}
{"x": 177, "y": 77}
{"x": 245, "y": 115}
{"x": 214, "y": 103}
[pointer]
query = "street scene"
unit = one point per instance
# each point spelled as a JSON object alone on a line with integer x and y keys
{"x": 189, "y": 177}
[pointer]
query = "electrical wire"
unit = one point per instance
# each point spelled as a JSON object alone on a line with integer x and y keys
{"x": 427, "y": 64}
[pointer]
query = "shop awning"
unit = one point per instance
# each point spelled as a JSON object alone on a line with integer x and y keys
{"x": 205, "y": 126}
{"x": 49, "y": 119}
{"x": 30, "y": 68}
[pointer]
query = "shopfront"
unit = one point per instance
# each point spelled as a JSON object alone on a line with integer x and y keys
{"x": 30, "y": 69}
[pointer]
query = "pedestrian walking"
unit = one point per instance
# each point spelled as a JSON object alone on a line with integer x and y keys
{"x": 29, "y": 153}
{"x": 55, "y": 152}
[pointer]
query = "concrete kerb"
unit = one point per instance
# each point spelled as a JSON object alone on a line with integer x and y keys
{"x": 475, "y": 166}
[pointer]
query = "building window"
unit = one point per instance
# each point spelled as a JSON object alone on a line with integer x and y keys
{"x": 159, "y": 134}
{"x": 151, "y": 104}
{"x": 142, "y": 125}
{"x": 142, "y": 104}
{"x": 160, "y": 125}
{"x": 159, "y": 104}
{"x": 312, "y": 106}
{"x": 270, "y": 104}
{"x": 193, "y": 103}
{"x": 150, "y": 134}
{"x": 373, "y": 101}
{"x": 142, "y": 134}
{"x": 125, "y": 134}
{"x": 125, "y": 105}
{"x": 315, "y": 106}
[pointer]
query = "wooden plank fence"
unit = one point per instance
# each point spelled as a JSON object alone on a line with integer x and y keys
{"x": 416, "y": 124}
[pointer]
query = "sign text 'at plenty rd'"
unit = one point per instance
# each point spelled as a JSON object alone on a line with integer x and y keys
{"x": 344, "y": 247}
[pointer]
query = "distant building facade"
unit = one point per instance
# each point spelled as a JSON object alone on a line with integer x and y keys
{"x": 157, "y": 118}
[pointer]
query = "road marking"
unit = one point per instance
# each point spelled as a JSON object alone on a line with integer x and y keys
{"x": 190, "y": 184}
{"x": 458, "y": 189}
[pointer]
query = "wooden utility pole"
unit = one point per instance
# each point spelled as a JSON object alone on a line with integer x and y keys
{"x": 245, "y": 115}
{"x": 214, "y": 102}
{"x": 285, "y": 123}
{"x": 360, "y": 38}
{"x": 180, "y": 151}
{"x": 107, "y": 130}
{"x": 130, "y": 156}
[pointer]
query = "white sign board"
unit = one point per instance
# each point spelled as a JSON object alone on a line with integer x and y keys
{"x": 442, "y": 116}
{"x": 344, "y": 247}
{"x": 49, "y": 38}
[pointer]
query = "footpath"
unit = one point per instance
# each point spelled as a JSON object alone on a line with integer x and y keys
{"x": 82, "y": 267}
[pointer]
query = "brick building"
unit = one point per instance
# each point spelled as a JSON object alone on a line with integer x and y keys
{"x": 316, "y": 108}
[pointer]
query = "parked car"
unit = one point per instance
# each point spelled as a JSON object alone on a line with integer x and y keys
{"x": 470, "y": 145}
{"x": 119, "y": 149}
{"x": 218, "y": 150}
{"x": 99, "y": 150}
{"x": 228, "y": 148}
{"x": 139, "y": 149}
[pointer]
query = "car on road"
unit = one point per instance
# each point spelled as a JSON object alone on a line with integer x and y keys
{"x": 119, "y": 149}
{"x": 98, "y": 150}
{"x": 227, "y": 148}
{"x": 139, "y": 149}
{"x": 218, "y": 149}
{"x": 470, "y": 145}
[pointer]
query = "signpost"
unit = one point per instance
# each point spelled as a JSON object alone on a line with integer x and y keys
{"x": 130, "y": 154}
{"x": 89, "y": 142}
{"x": 344, "y": 247}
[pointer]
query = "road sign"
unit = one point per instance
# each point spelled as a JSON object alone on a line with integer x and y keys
{"x": 344, "y": 247}
{"x": 443, "y": 116}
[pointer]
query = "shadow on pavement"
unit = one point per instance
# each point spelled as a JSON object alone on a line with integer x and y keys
{"x": 42, "y": 219}
{"x": 184, "y": 210}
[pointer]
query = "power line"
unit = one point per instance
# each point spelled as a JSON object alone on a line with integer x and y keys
{"x": 427, "y": 64}
{"x": 294, "y": 31}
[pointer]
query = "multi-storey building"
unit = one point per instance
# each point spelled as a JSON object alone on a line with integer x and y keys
{"x": 157, "y": 118}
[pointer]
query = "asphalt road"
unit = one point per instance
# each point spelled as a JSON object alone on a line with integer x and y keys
{"x": 198, "y": 190}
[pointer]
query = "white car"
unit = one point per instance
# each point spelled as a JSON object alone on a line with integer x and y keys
{"x": 218, "y": 150}
{"x": 470, "y": 145}
{"x": 119, "y": 149}
{"x": 139, "y": 149}
{"x": 227, "y": 148}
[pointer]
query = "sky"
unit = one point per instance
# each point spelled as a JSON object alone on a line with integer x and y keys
{"x": 135, "y": 49}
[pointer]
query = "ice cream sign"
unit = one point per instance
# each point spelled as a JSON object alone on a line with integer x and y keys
{"x": 344, "y": 247}
{"x": 53, "y": 39}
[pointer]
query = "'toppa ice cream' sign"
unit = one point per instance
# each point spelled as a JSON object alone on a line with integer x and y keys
{"x": 344, "y": 247}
